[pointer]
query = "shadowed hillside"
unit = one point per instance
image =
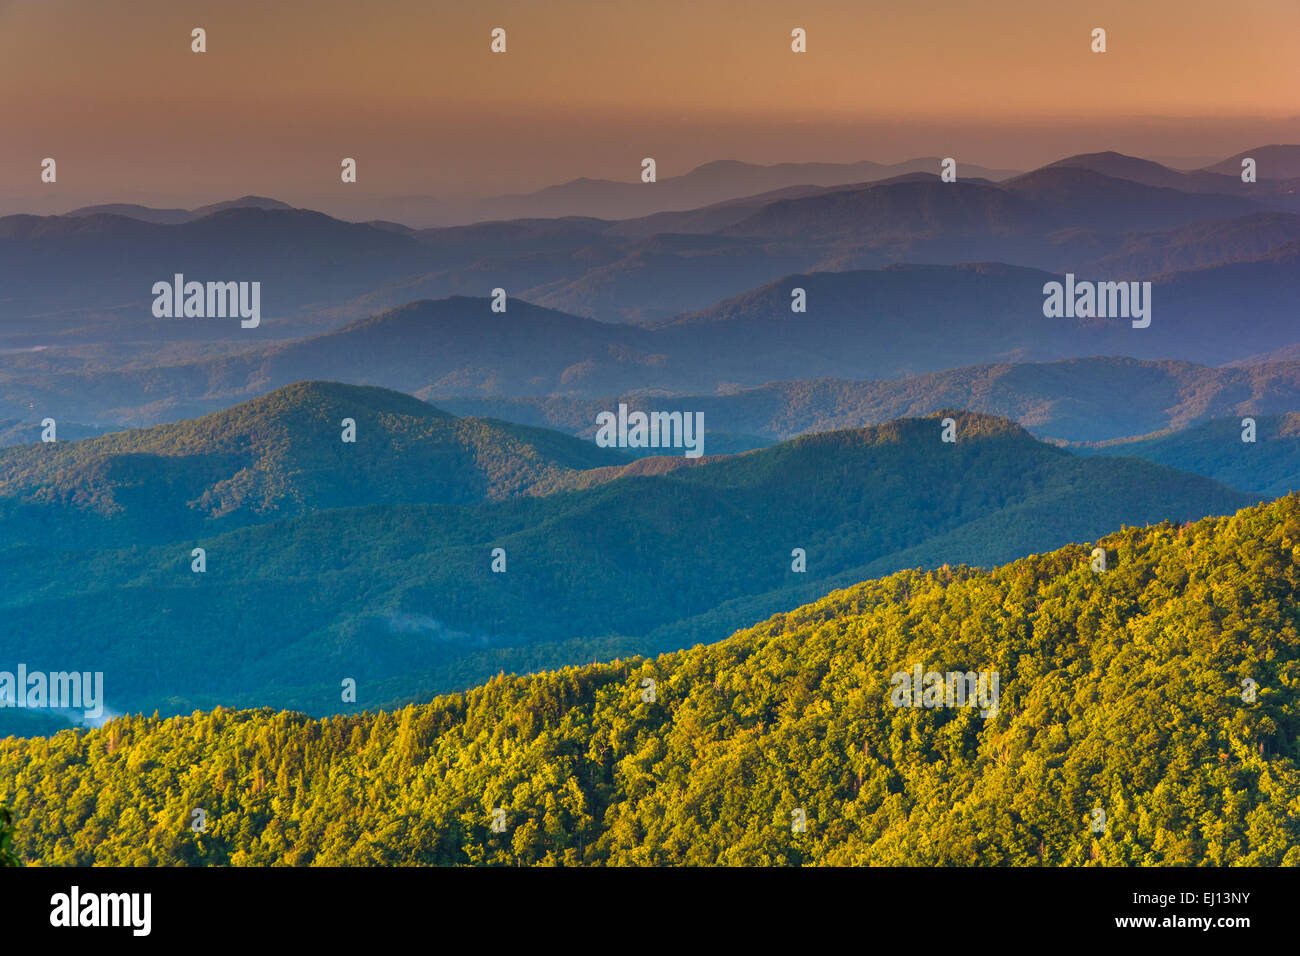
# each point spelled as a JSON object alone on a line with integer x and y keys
{"x": 1120, "y": 691}
{"x": 404, "y": 596}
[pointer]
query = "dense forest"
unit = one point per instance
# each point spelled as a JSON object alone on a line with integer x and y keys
{"x": 399, "y": 593}
{"x": 1269, "y": 465}
{"x": 7, "y": 855}
{"x": 277, "y": 456}
{"x": 1147, "y": 715}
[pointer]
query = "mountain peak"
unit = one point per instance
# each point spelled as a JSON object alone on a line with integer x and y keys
{"x": 281, "y": 454}
{"x": 244, "y": 202}
{"x": 370, "y": 398}
{"x": 1276, "y": 161}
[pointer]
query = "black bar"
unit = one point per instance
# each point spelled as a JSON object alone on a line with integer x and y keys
{"x": 542, "y": 908}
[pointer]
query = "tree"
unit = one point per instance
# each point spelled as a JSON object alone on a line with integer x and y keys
{"x": 7, "y": 855}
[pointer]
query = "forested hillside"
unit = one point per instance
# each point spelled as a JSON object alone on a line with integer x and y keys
{"x": 403, "y": 597}
{"x": 277, "y": 456}
{"x": 1161, "y": 692}
{"x": 1078, "y": 400}
{"x": 7, "y": 856}
{"x": 1269, "y": 465}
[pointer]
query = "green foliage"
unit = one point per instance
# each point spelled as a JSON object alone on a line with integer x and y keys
{"x": 272, "y": 458}
{"x": 401, "y": 596}
{"x": 1120, "y": 690}
{"x": 7, "y": 856}
{"x": 1269, "y": 466}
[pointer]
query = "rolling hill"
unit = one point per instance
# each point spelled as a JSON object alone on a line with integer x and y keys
{"x": 301, "y": 258}
{"x": 865, "y": 324}
{"x": 1268, "y": 466}
{"x": 714, "y": 182}
{"x": 1082, "y": 198}
{"x": 910, "y": 320}
{"x": 1120, "y": 692}
{"x": 277, "y": 456}
{"x": 174, "y": 216}
{"x": 1075, "y": 400}
{"x": 1223, "y": 179}
{"x": 402, "y": 595}
{"x": 1274, "y": 162}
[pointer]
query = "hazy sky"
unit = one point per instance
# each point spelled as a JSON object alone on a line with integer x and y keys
{"x": 289, "y": 87}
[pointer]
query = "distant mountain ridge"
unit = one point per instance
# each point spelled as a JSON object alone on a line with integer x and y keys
{"x": 713, "y": 182}
{"x": 735, "y": 228}
{"x": 1076, "y": 400}
{"x": 174, "y": 216}
{"x": 1272, "y": 162}
{"x": 726, "y": 180}
{"x": 864, "y": 324}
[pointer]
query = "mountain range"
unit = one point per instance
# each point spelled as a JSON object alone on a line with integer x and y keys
{"x": 388, "y": 577}
{"x": 1071, "y": 400}
{"x": 326, "y": 558}
{"x": 1094, "y": 212}
{"x": 868, "y": 324}
{"x": 390, "y": 488}
{"x": 171, "y": 217}
{"x": 711, "y": 183}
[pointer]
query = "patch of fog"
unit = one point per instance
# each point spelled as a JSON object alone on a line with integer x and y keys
{"x": 74, "y": 717}
{"x": 401, "y": 622}
{"x": 108, "y": 714}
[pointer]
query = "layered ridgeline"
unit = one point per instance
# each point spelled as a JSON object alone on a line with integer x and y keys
{"x": 1075, "y": 400}
{"x": 280, "y": 455}
{"x": 1103, "y": 213}
{"x": 1161, "y": 694}
{"x": 889, "y": 323}
{"x": 1268, "y": 464}
{"x": 399, "y": 591}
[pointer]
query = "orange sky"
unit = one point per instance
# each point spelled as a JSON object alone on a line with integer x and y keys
{"x": 587, "y": 88}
